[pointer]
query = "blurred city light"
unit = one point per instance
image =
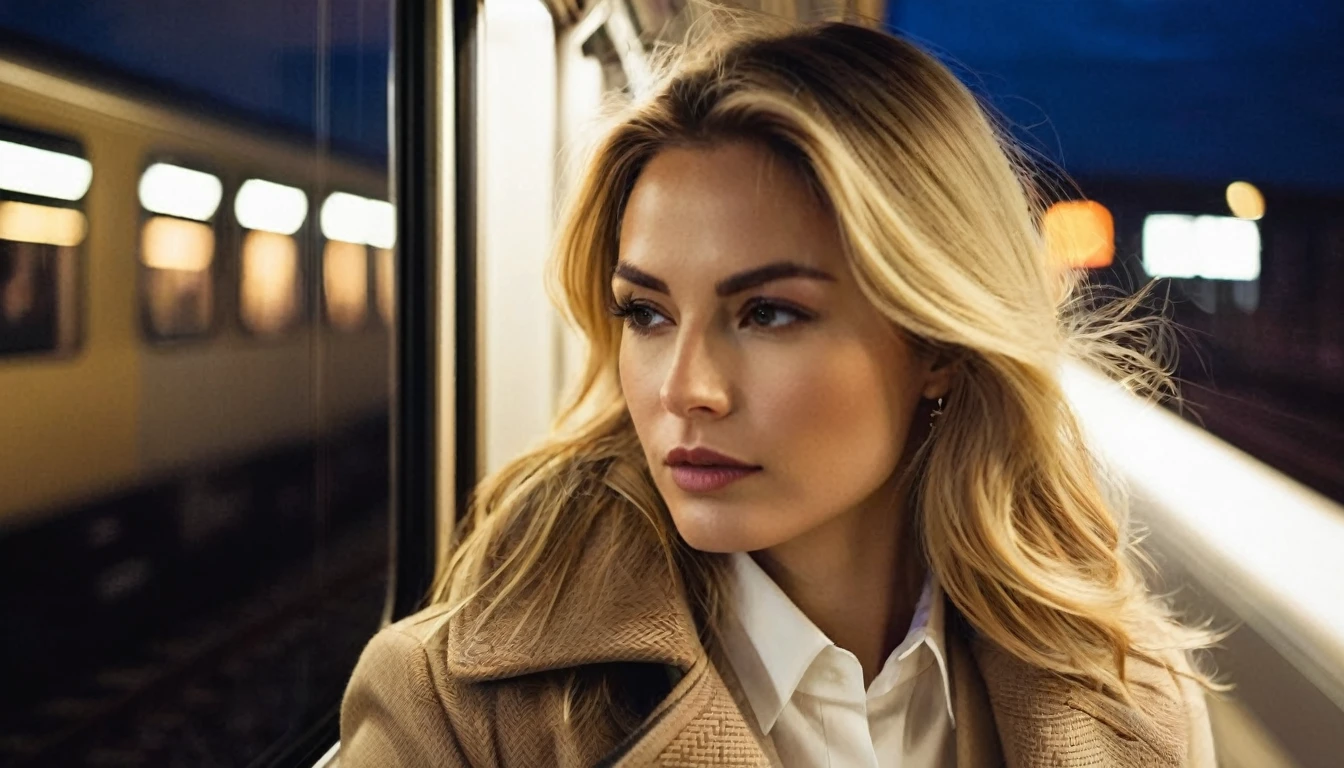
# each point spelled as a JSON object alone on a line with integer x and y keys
{"x": 1079, "y": 234}
{"x": 1245, "y": 201}
{"x": 176, "y": 191}
{"x": 1215, "y": 247}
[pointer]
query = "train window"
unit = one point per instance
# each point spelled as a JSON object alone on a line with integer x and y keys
{"x": 177, "y": 251}
{"x": 270, "y": 286}
{"x": 42, "y": 179}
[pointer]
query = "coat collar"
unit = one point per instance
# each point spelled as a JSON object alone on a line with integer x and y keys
{"x": 622, "y": 606}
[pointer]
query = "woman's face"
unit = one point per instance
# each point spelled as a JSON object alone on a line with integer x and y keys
{"x": 769, "y": 395}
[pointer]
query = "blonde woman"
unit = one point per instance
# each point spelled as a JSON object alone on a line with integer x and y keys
{"x": 820, "y": 500}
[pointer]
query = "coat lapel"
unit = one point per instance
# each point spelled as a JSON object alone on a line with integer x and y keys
{"x": 976, "y": 737}
{"x": 620, "y": 606}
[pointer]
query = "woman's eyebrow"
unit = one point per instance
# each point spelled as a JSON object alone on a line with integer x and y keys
{"x": 780, "y": 270}
{"x": 641, "y": 278}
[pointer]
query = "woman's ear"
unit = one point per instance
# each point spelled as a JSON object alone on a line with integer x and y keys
{"x": 943, "y": 365}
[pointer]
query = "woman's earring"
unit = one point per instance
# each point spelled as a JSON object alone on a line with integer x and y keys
{"x": 935, "y": 413}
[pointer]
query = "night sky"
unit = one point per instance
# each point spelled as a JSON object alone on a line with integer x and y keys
{"x": 1191, "y": 90}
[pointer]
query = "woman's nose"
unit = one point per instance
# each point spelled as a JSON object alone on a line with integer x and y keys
{"x": 696, "y": 385}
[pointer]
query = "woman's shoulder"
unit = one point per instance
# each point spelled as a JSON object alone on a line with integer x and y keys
{"x": 1165, "y": 723}
{"x": 399, "y": 707}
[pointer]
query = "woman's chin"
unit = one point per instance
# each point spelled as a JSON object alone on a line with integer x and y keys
{"x": 708, "y": 526}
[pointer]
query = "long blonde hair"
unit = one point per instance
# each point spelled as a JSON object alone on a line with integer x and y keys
{"x": 941, "y": 228}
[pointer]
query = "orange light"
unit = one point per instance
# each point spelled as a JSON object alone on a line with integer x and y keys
{"x": 1245, "y": 201}
{"x": 270, "y": 285}
{"x": 28, "y": 223}
{"x": 1079, "y": 234}
{"x": 345, "y": 277}
{"x": 168, "y": 243}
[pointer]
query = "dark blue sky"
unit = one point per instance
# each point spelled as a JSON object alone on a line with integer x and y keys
{"x": 1199, "y": 90}
{"x": 1189, "y": 89}
{"x": 258, "y": 57}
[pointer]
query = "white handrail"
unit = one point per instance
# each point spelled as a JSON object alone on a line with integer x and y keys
{"x": 1269, "y": 548}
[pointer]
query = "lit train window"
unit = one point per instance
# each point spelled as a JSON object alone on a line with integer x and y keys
{"x": 270, "y": 297}
{"x": 351, "y": 224}
{"x": 42, "y": 180}
{"x": 269, "y": 300}
{"x": 177, "y": 251}
{"x": 345, "y": 281}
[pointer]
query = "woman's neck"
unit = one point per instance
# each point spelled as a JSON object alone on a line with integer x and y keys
{"x": 856, "y": 577}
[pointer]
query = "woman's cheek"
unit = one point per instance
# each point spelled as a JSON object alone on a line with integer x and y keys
{"x": 832, "y": 412}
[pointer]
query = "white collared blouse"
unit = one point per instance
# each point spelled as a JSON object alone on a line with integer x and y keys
{"x": 807, "y": 693}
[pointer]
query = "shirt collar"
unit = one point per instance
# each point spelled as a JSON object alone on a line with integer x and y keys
{"x": 777, "y": 643}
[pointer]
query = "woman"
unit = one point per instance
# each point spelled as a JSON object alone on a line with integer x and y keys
{"x": 819, "y": 499}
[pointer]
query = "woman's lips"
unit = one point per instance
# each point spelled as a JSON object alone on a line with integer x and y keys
{"x": 700, "y": 470}
{"x": 708, "y": 479}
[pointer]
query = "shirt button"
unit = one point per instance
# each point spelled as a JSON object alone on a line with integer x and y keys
{"x": 833, "y": 676}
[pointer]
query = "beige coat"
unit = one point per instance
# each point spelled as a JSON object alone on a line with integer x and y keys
{"x": 428, "y": 692}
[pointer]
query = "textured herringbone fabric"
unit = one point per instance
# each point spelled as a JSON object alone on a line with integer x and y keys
{"x": 434, "y": 692}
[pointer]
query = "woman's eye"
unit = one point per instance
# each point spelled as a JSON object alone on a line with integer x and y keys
{"x": 642, "y": 317}
{"x": 766, "y": 315}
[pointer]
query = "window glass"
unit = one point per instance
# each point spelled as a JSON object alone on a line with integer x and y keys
{"x": 193, "y": 539}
